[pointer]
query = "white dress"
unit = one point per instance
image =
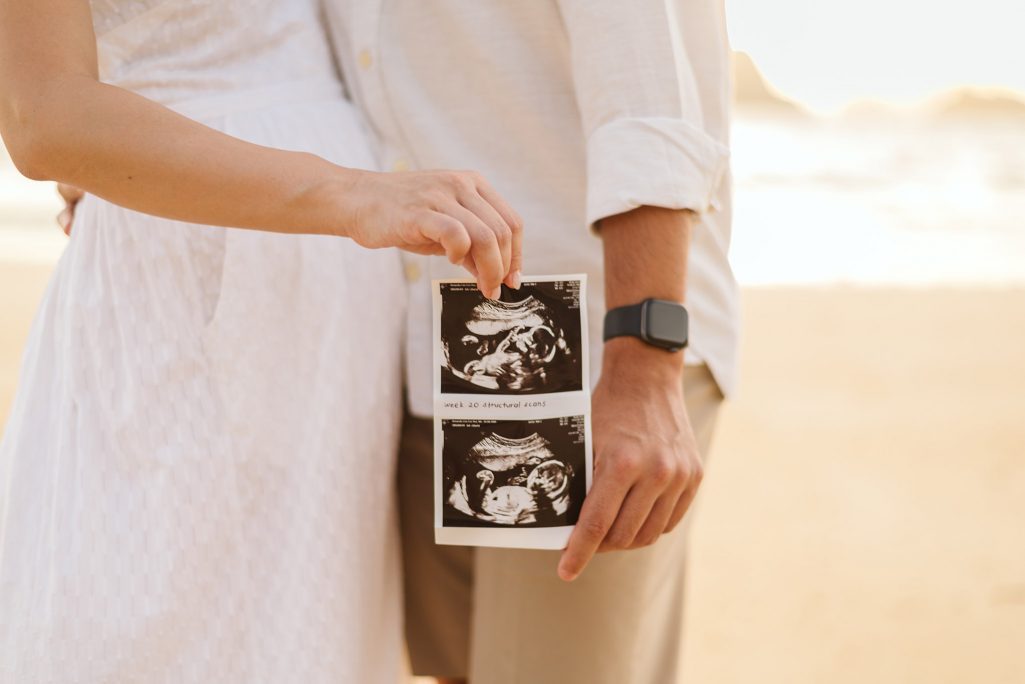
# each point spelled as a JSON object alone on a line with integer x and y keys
{"x": 196, "y": 480}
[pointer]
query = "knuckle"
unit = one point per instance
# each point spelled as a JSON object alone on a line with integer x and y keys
{"x": 503, "y": 232}
{"x": 463, "y": 181}
{"x": 647, "y": 539}
{"x": 625, "y": 464}
{"x": 593, "y": 530}
{"x": 664, "y": 470}
{"x": 449, "y": 225}
{"x": 414, "y": 220}
{"x": 617, "y": 541}
{"x": 694, "y": 474}
{"x": 432, "y": 198}
{"x": 486, "y": 239}
{"x": 424, "y": 216}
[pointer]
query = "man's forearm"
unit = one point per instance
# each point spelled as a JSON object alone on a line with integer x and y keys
{"x": 645, "y": 256}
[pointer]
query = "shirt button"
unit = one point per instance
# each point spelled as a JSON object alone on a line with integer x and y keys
{"x": 365, "y": 60}
{"x": 400, "y": 165}
{"x": 412, "y": 272}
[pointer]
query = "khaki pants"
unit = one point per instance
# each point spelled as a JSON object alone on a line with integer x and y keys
{"x": 502, "y": 616}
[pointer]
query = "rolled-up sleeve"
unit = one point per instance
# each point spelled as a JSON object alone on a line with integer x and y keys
{"x": 647, "y": 143}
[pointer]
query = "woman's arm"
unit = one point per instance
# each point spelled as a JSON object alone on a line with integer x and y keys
{"x": 136, "y": 153}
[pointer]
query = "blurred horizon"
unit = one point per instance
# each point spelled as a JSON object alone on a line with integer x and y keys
{"x": 755, "y": 93}
{"x": 828, "y": 55}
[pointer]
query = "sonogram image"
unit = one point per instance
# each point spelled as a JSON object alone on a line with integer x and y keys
{"x": 513, "y": 473}
{"x": 528, "y": 342}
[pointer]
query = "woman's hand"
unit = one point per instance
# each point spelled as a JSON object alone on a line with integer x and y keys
{"x": 71, "y": 196}
{"x": 455, "y": 213}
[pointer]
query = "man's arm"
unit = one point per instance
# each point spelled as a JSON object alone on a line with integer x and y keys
{"x": 647, "y": 468}
{"x": 648, "y": 146}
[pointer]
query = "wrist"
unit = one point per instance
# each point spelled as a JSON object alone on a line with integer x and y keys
{"x": 327, "y": 204}
{"x": 632, "y": 358}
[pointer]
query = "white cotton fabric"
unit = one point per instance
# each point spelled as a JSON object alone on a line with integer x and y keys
{"x": 575, "y": 110}
{"x": 196, "y": 480}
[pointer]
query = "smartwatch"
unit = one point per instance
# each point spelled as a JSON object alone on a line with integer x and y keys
{"x": 658, "y": 322}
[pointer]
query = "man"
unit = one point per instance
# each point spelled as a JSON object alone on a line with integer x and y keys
{"x": 604, "y": 124}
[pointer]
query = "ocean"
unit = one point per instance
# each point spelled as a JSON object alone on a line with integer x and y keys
{"x": 875, "y": 200}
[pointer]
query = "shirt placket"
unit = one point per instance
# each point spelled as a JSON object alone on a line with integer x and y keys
{"x": 393, "y": 156}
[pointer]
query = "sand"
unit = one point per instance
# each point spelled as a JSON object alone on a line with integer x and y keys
{"x": 863, "y": 517}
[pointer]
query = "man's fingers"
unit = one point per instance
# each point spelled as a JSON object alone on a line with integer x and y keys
{"x": 683, "y": 504}
{"x": 485, "y": 252}
{"x": 493, "y": 220}
{"x": 636, "y": 509}
{"x": 601, "y": 506}
{"x": 658, "y": 520}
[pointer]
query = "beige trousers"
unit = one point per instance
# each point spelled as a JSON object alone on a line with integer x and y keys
{"x": 502, "y": 616}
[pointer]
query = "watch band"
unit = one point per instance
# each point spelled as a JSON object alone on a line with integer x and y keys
{"x": 624, "y": 321}
{"x": 658, "y": 322}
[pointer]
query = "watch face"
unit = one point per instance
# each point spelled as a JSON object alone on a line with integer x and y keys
{"x": 665, "y": 323}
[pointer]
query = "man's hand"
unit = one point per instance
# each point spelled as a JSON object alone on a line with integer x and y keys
{"x": 71, "y": 196}
{"x": 647, "y": 467}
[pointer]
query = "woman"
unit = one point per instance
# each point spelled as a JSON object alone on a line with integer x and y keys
{"x": 195, "y": 481}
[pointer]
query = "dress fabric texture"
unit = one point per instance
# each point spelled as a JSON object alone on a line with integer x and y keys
{"x": 196, "y": 480}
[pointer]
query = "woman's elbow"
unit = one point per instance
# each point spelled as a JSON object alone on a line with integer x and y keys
{"x": 28, "y": 156}
{"x": 26, "y": 145}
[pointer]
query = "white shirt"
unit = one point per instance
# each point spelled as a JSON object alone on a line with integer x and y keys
{"x": 574, "y": 110}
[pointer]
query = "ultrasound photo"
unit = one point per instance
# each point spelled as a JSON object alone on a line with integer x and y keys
{"x": 513, "y": 473}
{"x": 528, "y": 342}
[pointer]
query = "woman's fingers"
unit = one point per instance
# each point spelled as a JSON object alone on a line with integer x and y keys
{"x": 449, "y": 232}
{"x": 70, "y": 193}
{"x": 493, "y": 220}
{"x": 485, "y": 251}
{"x": 413, "y": 210}
{"x": 515, "y": 224}
{"x": 515, "y": 261}
{"x": 64, "y": 220}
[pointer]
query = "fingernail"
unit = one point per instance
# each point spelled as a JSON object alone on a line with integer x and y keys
{"x": 515, "y": 280}
{"x": 495, "y": 294}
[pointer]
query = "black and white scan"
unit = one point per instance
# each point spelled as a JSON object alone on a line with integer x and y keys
{"x": 513, "y": 473}
{"x": 528, "y": 342}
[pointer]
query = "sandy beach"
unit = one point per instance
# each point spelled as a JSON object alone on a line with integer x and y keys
{"x": 863, "y": 517}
